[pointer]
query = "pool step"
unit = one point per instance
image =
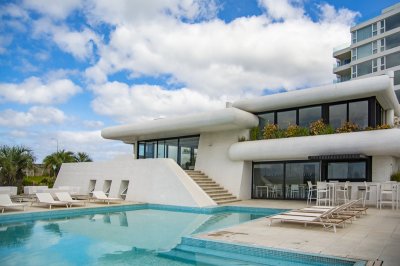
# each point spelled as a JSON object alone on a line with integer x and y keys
{"x": 216, "y": 192}
{"x": 202, "y": 256}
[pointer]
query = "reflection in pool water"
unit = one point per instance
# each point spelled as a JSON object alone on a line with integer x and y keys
{"x": 118, "y": 238}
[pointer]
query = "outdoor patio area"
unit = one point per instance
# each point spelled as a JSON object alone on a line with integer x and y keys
{"x": 375, "y": 236}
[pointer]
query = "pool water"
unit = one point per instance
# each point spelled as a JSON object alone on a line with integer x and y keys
{"x": 134, "y": 237}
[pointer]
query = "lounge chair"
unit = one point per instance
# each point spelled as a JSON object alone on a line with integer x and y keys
{"x": 5, "y": 202}
{"x": 66, "y": 197}
{"x": 325, "y": 219}
{"x": 47, "y": 199}
{"x": 100, "y": 196}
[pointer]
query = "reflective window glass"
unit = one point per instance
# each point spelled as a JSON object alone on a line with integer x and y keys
{"x": 364, "y": 33}
{"x": 309, "y": 115}
{"x": 151, "y": 148}
{"x": 286, "y": 118}
{"x": 392, "y": 22}
{"x": 297, "y": 175}
{"x": 393, "y": 41}
{"x": 358, "y": 113}
{"x": 364, "y": 68}
{"x": 141, "y": 146}
{"x": 268, "y": 180}
{"x": 265, "y": 119}
{"x": 171, "y": 148}
{"x": 161, "y": 149}
{"x": 393, "y": 60}
{"x": 337, "y": 115}
{"x": 347, "y": 171}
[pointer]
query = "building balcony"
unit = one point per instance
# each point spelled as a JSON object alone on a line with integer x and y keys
{"x": 371, "y": 143}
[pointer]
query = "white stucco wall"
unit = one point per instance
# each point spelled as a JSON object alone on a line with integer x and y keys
{"x": 383, "y": 167}
{"x": 213, "y": 160}
{"x": 159, "y": 181}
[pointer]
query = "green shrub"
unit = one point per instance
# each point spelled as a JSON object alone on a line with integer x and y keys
{"x": 296, "y": 131}
{"x": 395, "y": 177}
{"x": 241, "y": 139}
{"x": 347, "y": 127}
{"x": 255, "y": 133}
{"x": 320, "y": 128}
{"x": 272, "y": 131}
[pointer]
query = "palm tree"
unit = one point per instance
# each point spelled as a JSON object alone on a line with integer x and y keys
{"x": 82, "y": 157}
{"x": 56, "y": 159}
{"x": 13, "y": 162}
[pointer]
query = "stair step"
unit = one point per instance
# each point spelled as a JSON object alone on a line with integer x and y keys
{"x": 218, "y": 192}
{"x": 221, "y": 195}
{"x": 205, "y": 182}
{"x": 217, "y": 189}
{"x": 226, "y": 201}
{"x": 229, "y": 197}
{"x": 209, "y": 185}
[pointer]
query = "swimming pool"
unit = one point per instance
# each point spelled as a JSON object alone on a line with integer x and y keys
{"x": 128, "y": 235}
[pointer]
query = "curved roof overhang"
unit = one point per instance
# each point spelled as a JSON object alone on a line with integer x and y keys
{"x": 383, "y": 142}
{"x": 220, "y": 120}
{"x": 380, "y": 86}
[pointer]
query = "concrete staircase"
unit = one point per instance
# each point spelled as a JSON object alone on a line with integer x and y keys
{"x": 213, "y": 189}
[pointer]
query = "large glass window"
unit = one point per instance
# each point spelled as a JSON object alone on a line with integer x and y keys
{"x": 265, "y": 119}
{"x": 188, "y": 152}
{"x": 364, "y": 33}
{"x": 151, "y": 148}
{"x": 309, "y": 115}
{"x": 397, "y": 77}
{"x": 393, "y": 60}
{"x": 286, "y": 118}
{"x": 393, "y": 41}
{"x": 171, "y": 147}
{"x": 358, "y": 113}
{"x": 268, "y": 180}
{"x": 337, "y": 115}
{"x": 183, "y": 150}
{"x": 364, "y": 68}
{"x": 296, "y": 177}
{"x": 351, "y": 171}
{"x": 392, "y": 22}
{"x": 364, "y": 50}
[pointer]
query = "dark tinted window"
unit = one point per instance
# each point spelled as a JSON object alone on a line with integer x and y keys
{"x": 286, "y": 118}
{"x": 392, "y": 22}
{"x": 309, "y": 115}
{"x": 393, "y": 60}
{"x": 393, "y": 41}
{"x": 337, "y": 115}
{"x": 265, "y": 119}
{"x": 358, "y": 113}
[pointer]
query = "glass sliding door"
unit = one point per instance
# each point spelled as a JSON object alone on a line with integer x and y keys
{"x": 188, "y": 152}
{"x": 171, "y": 147}
{"x": 284, "y": 180}
{"x": 268, "y": 180}
{"x": 347, "y": 171}
{"x": 296, "y": 177}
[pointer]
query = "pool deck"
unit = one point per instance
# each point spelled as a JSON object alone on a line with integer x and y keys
{"x": 375, "y": 236}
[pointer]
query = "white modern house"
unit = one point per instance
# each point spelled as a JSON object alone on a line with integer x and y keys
{"x": 202, "y": 160}
{"x": 374, "y": 49}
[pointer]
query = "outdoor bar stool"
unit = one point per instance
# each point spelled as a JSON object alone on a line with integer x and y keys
{"x": 294, "y": 190}
{"x": 365, "y": 192}
{"x": 388, "y": 189}
{"x": 343, "y": 191}
{"x": 322, "y": 193}
{"x": 312, "y": 190}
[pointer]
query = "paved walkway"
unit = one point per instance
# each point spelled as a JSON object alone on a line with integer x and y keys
{"x": 373, "y": 236}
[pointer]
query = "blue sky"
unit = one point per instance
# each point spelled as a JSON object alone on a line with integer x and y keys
{"x": 70, "y": 68}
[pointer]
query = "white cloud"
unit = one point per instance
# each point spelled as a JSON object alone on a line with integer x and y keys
{"x": 54, "y": 9}
{"x": 131, "y": 12}
{"x": 283, "y": 9}
{"x": 36, "y": 115}
{"x": 142, "y": 102}
{"x": 93, "y": 124}
{"x": 80, "y": 44}
{"x": 247, "y": 55}
{"x": 34, "y": 90}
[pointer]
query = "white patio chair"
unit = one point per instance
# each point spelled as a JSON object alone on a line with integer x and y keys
{"x": 322, "y": 193}
{"x": 47, "y": 199}
{"x": 5, "y": 203}
{"x": 312, "y": 190}
{"x": 388, "y": 194}
{"x": 101, "y": 196}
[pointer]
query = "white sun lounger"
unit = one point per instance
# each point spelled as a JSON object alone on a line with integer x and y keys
{"x": 100, "y": 196}
{"x": 66, "y": 197}
{"x": 308, "y": 218}
{"x": 47, "y": 199}
{"x": 5, "y": 203}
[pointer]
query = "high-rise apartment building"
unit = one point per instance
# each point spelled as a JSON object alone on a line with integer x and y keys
{"x": 374, "y": 49}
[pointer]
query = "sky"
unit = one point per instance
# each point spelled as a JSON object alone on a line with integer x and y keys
{"x": 71, "y": 68}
